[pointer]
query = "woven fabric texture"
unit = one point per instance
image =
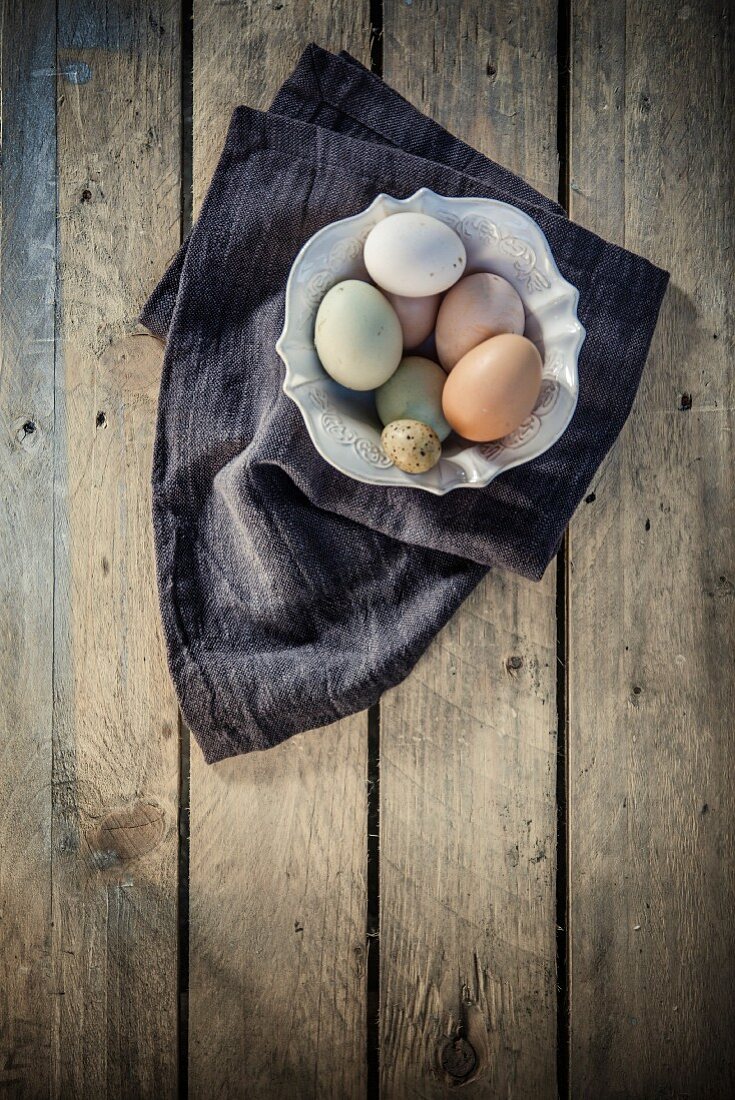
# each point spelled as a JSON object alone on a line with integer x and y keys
{"x": 292, "y": 595}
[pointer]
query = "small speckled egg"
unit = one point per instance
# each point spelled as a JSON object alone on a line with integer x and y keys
{"x": 358, "y": 336}
{"x": 493, "y": 388}
{"x": 411, "y": 445}
{"x": 478, "y": 307}
{"x": 417, "y": 317}
{"x": 414, "y": 392}
{"x": 414, "y": 255}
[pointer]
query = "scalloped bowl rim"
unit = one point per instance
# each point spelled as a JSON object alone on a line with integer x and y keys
{"x": 289, "y": 389}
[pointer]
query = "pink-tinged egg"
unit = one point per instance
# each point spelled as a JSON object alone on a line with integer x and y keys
{"x": 475, "y": 309}
{"x": 493, "y": 388}
{"x": 417, "y": 317}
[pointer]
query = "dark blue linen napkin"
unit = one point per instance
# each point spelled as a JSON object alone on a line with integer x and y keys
{"x": 292, "y": 595}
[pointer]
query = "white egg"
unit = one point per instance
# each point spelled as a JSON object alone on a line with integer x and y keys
{"x": 417, "y": 317}
{"x": 358, "y": 336}
{"x": 414, "y": 255}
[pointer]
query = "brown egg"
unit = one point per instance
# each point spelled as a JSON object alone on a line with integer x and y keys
{"x": 476, "y": 308}
{"x": 493, "y": 388}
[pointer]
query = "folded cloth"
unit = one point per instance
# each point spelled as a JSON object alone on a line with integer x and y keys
{"x": 292, "y": 595}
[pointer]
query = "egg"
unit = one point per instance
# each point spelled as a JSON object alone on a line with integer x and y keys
{"x": 411, "y": 445}
{"x": 493, "y": 388}
{"x": 414, "y": 392}
{"x": 358, "y": 336}
{"x": 417, "y": 317}
{"x": 414, "y": 255}
{"x": 476, "y": 308}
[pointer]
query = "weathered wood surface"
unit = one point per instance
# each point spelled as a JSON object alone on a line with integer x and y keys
{"x": 468, "y": 742}
{"x": 115, "y": 769}
{"x": 653, "y": 575}
{"x": 27, "y": 277}
{"x": 277, "y": 998}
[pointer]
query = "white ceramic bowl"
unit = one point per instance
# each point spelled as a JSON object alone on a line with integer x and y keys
{"x": 343, "y": 424}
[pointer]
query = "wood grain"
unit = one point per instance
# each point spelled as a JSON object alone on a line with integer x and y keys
{"x": 115, "y": 719}
{"x": 468, "y": 743}
{"x": 27, "y": 253}
{"x": 89, "y": 775}
{"x": 653, "y": 575}
{"x": 277, "y": 1001}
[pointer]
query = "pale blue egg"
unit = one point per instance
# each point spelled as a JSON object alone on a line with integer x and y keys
{"x": 357, "y": 335}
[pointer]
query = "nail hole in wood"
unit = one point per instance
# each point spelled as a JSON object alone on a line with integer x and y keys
{"x": 27, "y": 433}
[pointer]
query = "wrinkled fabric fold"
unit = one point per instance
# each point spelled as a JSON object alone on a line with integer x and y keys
{"x": 292, "y": 595}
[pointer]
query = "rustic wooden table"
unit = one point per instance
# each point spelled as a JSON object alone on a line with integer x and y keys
{"x": 544, "y": 808}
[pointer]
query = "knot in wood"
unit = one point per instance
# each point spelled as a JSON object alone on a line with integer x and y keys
{"x": 465, "y": 1057}
{"x": 458, "y": 1058}
{"x": 27, "y": 432}
{"x": 126, "y": 834}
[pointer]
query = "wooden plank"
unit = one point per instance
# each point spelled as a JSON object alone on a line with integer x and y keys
{"x": 468, "y": 743}
{"x": 27, "y": 251}
{"x": 653, "y": 575}
{"x": 115, "y": 725}
{"x": 277, "y": 1001}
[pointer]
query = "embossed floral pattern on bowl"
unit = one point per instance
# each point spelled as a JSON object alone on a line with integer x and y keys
{"x": 343, "y": 424}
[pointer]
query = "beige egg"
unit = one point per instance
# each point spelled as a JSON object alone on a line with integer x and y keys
{"x": 417, "y": 317}
{"x": 411, "y": 445}
{"x": 493, "y": 388}
{"x": 476, "y": 308}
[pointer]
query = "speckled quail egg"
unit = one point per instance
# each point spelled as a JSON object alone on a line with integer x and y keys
{"x": 411, "y": 445}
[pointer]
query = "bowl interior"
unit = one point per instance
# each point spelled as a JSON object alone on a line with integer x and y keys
{"x": 344, "y": 425}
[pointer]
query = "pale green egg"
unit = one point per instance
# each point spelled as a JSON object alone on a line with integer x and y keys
{"x": 358, "y": 336}
{"x": 414, "y": 392}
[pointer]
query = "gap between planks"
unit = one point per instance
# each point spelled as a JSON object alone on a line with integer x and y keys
{"x": 563, "y": 1005}
{"x": 187, "y": 205}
